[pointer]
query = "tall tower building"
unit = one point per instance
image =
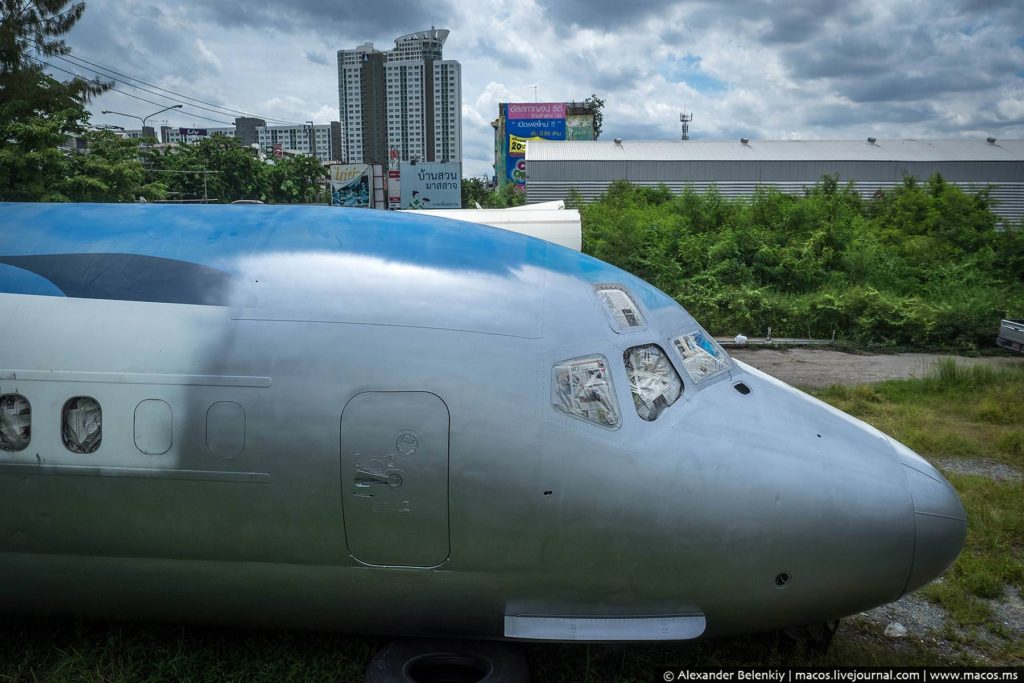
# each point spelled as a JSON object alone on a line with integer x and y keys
{"x": 408, "y": 99}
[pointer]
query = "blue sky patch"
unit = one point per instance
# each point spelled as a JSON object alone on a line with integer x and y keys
{"x": 688, "y": 70}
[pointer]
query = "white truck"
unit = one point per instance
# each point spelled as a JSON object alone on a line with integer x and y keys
{"x": 1011, "y": 335}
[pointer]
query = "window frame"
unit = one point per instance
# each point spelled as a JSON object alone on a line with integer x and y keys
{"x": 63, "y": 421}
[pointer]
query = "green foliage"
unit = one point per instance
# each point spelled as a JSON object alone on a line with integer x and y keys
{"x": 474, "y": 192}
{"x": 924, "y": 265}
{"x": 221, "y": 169}
{"x": 108, "y": 171}
{"x": 596, "y": 105}
{"x": 37, "y": 112}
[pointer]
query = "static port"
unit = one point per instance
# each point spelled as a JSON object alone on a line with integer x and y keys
{"x": 742, "y": 388}
{"x": 782, "y": 579}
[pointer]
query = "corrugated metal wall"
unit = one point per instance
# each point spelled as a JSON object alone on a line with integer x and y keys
{"x": 553, "y": 180}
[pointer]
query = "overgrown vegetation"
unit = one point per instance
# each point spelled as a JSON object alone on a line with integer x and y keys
{"x": 925, "y": 265}
{"x": 475, "y": 191}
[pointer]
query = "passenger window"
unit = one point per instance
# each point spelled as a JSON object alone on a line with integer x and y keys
{"x": 703, "y": 358}
{"x": 582, "y": 387}
{"x": 15, "y": 422}
{"x": 623, "y": 314}
{"x": 82, "y": 425}
{"x": 655, "y": 384}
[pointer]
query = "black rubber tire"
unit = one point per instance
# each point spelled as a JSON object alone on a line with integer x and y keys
{"x": 448, "y": 661}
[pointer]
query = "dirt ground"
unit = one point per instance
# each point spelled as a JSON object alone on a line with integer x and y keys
{"x": 819, "y": 368}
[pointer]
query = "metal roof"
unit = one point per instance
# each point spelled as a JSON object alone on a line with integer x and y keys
{"x": 775, "y": 150}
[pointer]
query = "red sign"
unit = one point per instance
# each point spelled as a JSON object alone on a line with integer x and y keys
{"x": 278, "y": 151}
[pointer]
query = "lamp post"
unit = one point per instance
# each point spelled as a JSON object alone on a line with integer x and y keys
{"x": 144, "y": 118}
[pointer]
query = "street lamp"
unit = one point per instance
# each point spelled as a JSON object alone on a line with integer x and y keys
{"x": 143, "y": 118}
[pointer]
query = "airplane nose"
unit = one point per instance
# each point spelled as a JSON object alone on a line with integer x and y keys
{"x": 939, "y": 518}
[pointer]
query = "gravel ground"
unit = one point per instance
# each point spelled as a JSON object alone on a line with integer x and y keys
{"x": 819, "y": 368}
{"x": 987, "y": 468}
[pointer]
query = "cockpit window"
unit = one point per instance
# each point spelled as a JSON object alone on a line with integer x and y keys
{"x": 583, "y": 388}
{"x": 703, "y": 358}
{"x": 652, "y": 379}
{"x": 623, "y": 314}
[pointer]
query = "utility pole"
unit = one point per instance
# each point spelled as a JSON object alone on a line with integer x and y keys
{"x": 684, "y": 120}
{"x": 144, "y": 118}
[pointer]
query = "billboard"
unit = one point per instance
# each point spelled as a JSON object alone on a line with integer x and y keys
{"x": 579, "y": 127}
{"x": 528, "y": 121}
{"x": 549, "y": 129}
{"x": 429, "y": 185}
{"x": 535, "y": 110}
{"x": 350, "y": 185}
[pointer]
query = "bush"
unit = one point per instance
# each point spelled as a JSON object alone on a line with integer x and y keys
{"x": 925, "y": 265}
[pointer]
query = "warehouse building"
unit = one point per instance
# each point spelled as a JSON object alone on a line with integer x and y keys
{"x": 736, "y": 168}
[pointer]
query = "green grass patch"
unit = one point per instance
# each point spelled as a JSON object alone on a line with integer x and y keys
{"x": 957, "y": 411}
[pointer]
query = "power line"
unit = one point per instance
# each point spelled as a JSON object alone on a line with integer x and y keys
{"x": 128, "y": 94}
{"x": 219, "y": 109}
{"x": 100, "y": 70}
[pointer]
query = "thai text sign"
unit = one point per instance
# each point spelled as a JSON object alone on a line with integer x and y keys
{"x": 549, "y": 129}
{"x": 429, "y": 185}
{"x": 536, "y": 110}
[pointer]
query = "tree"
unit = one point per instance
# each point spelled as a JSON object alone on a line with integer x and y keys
{"x": 37, "y": 112}
{"x": 596, "y": 105}
{"x": 109, "y": 171}
{"x": 474, "y": 191}
{"x": 295, "y": 179}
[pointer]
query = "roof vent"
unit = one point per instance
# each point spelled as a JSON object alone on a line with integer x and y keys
{"x": 617, "y": 141}
{"x": 745, "y": 141}
{"x": 872, "y": 140}
{"x": 990, "y": 141}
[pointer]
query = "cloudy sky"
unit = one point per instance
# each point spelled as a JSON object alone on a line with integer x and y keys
{"x": 761, "y": 69}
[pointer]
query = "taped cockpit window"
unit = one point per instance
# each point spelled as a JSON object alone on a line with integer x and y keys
{"x": 15, "y": 422}
{"x": 703, "y": 358}
{"x": 82, "y": 425}
{"x": 623, "y": 314}
{"x": 583, "y": 388}
{"x": 655, "y": 384}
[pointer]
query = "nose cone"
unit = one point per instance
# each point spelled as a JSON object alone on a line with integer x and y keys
{"x": 939, "y": 517}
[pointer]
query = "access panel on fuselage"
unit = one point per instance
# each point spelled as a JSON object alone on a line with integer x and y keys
{"x": 394, "y": 478}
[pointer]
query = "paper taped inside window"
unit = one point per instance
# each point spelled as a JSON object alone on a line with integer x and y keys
{"x": 655, "y": 384}
{"x": 582, "y": 387}
{"x": 15, "y": 422}
{"x": 702, "y": 356}
{"x": 83, "y": 425}
{"x": 623, "y": 313}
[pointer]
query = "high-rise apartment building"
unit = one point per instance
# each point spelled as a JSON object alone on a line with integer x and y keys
{"x": 407, "y": 99}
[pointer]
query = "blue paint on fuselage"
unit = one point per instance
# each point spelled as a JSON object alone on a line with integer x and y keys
{"x": 222, "y": 237}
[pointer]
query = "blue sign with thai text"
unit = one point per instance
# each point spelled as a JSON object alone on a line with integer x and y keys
{"x": 549, "y": 129}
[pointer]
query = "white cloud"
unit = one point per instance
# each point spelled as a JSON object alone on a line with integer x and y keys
{"x": 819, "y": 69}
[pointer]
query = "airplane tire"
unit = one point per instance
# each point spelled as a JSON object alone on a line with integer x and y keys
{"x": 447, "y": 661}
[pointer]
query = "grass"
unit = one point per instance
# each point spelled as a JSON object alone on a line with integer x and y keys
{"x": 957, "y": 413}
